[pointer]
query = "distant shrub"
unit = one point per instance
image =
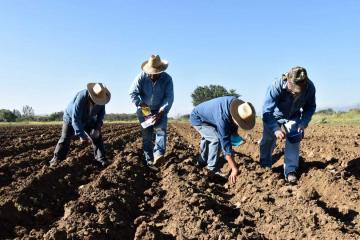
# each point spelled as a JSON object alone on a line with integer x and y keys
{"x": 120, "y": 117}
{"x": 355, "y": 110}
{"x": 323, "y": 121}
{"x": 7, "y": 116}
{"x": 183, "y": 117}
{"x": 56, "y": 116}
{"x": 326, "y": 111}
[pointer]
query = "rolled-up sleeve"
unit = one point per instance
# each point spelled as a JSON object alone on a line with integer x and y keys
{"x": 77, "y": 114}
{"x": 134, "y": 91}
{"x": 169, "y": 96}
{"x": 271, "y": 98}
{"x": 308, "y": 109}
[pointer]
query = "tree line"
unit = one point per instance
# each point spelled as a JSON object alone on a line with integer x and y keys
{"x": 199, "y": 95}
{"x": 28, "y": 114}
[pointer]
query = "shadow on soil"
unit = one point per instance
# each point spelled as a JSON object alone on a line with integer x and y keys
{"x": 305, "y": 167}
{"x": 353, "y": 168}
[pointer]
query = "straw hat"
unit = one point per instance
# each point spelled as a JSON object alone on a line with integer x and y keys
{"x": 154, "y": 65}
{"x": 99, "y": 93}
{"x": 243, "y": 114}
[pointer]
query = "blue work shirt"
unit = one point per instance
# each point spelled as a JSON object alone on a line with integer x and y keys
{"x": 78, "y": 113}
{"x": 216, "y": 113}
{"x": 154, "y": 94}
{"x": 280, "y": 104}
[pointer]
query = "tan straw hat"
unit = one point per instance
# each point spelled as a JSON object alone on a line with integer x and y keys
{"x": 154, "y": 65}
{"x": 243, "y": 114}
{"x": 99, "y": 93}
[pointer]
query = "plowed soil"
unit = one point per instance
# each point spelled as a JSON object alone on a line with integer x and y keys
{"x": 79, "y": 199}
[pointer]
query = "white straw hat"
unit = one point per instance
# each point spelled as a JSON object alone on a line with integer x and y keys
{"x": 243, "y": 114}
{"x": 99, "y": 93}
{"x": 154, "y": 65}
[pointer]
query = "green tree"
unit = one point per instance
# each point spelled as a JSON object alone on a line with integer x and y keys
{"x": 28, "y": 112}
{"x": 17, "y": 113}
{"x": 7, "y": 116}
{"x": 56, "y": 116}
{"x": 205, "y": 93}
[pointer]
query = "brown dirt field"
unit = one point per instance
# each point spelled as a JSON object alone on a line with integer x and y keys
{"x": 80, "y": 200}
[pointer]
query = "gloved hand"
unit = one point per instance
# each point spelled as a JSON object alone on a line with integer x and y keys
{"x": 290, "y": 126}
{"x": 145, "y": 110}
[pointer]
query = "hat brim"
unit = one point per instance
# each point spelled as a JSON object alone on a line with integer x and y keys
{"x": 244, "y": 124}
{"x": 151, "y": 70}
{"x": 98, "y": 100}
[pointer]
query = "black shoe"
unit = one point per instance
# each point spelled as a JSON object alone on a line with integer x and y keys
{"x": 54, "y": 162}
{"x": 218, "y": 174}
{"x": 151, "y": 166}
{"x": 201, "y": 164}
{"x": 292, "y": 178}
{"x": 103, "y": 163}
{"x": 222, "y": 175}
{"x": 159, "y": 160}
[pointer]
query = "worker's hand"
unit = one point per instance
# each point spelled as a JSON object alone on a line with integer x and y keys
{"x": 234, "y": 173}
{"x": 158, "y": 116}
{"x": 279, "y": 134}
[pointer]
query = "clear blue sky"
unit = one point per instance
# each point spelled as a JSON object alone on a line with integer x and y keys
{"x": 49, "y": 49}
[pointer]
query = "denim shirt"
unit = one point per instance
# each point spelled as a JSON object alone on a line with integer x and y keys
{"x": 78, "y": 113}
{"x": 155, "y": 95}
{"x": 280, "y": 104}
{"x": 216, "y": 113}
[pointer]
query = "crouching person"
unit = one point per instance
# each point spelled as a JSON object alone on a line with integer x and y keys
{"x": 84, "y": 118}
{"x": 287, "y": 110}
{"x": 217, "y": 121}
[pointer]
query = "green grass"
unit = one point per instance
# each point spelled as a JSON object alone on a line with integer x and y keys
{"x": 53, "y": 123}
{"x": 351, "y": 118}
{"x": 28, "y": 123}
{"x": 347, "y": 118}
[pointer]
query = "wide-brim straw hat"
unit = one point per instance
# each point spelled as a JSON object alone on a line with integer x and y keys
{"x": 243, "y": 114}
{"x": 154, "y": 65}
{"x": 99, "y": 93}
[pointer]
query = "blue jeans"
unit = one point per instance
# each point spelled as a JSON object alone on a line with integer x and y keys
{"x": 160, "y": 127}
{"x": 267, "y": 145}
{"x": 209, "y": 146}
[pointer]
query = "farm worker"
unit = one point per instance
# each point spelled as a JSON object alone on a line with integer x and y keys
{"x": 288, "y": 108}
{"x": 217, "y": 120}
{"x": 84, "y": 118}
{"x": 153, "y": 95}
